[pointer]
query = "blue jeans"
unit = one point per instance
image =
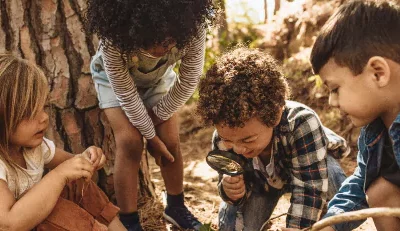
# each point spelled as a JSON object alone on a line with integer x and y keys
{"x": 258, "y": 207}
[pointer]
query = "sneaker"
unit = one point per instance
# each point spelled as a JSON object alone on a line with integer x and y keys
{"x": 182, "y": 218}
{"x": 134, "y": 227}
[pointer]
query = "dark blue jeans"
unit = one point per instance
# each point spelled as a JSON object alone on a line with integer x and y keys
{"x": 258, "y": 207}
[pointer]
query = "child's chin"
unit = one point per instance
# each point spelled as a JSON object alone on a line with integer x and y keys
{"x": 34, "y": 143}
{"x": 358, "y": 123}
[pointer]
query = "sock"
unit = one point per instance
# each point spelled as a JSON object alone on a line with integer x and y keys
{"x": 129, "y": 219}
{"x": 175, "y": 200}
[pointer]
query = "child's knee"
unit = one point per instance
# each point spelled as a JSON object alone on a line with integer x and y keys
{"x": 129, "y": 145}
{"x": 382, "y": 193}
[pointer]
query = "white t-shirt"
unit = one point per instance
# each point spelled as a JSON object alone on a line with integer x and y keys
{"x": 35, "y": 159}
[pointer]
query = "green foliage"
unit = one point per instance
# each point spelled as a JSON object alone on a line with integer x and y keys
{"x": 317, "y": 79}
{"x": 206, "y": 227}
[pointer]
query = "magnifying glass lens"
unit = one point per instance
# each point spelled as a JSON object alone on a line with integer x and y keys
{"x": 224, "y": 165}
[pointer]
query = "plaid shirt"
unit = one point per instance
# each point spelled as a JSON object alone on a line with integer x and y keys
{"x": 300, "y": 147}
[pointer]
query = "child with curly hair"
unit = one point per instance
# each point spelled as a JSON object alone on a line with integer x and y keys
{"x": 140, "y": 43}
{"x": 244, "y": 95}
{"x": 357, "y": 54}
{"x": 60, "y": 200}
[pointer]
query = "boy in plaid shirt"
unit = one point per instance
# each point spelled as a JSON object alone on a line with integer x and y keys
{"x": 244, "y": 96}
{"x": 357, "y": 54}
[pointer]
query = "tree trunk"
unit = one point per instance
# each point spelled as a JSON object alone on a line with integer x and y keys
{"x": 50, "y": 33}
{"x": 277, "y": 6}
{"x": 265, "y": 11}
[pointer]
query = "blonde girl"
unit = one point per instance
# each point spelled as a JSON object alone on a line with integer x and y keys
{"x": 29, "y": 200}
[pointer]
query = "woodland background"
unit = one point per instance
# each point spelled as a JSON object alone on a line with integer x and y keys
{"x": 50, "y": 33}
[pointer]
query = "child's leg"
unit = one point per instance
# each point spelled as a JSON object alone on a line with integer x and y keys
{"x": 68, "y": 216}
{"x": 129, "y": 148}
{"x": 253, "y": 213}
{"x": 90, "y": 197}
{"x": 382, "y": 193}
{"x": 81, "y": 206}
{"x": 172, "y": 172}
{"x": 175, "y": 212}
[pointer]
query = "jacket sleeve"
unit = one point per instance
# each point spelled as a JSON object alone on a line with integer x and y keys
{"x": 309, "y": 177}
{"x": 351, "y": 195}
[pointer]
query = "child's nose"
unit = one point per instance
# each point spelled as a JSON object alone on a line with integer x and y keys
{"x": 44, "y": 117}
{"x": 333, "y": 100}
{"x": 239, "y": 149}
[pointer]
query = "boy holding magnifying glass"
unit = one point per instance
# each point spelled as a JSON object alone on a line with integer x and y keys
{"x": 244, "y": 95}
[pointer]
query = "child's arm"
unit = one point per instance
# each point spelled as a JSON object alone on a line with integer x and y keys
{"x": 93, "y": 154}
{"x": 309, "y": 173}
{"x": 125, "y": 89}
{"x": 190, "y": 72}
{"x": 34, "y": 206}
{"x": 351, "y": 195}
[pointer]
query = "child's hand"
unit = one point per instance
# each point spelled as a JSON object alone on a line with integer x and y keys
{"x": 234, "y": 186}
{"x": 75, "y": 168}
{"x": 96, "y": 156}
{"x": 158, "y": 149}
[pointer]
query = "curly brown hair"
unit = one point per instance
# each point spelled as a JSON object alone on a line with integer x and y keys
{"x": 242, "y": 84}
{"x": 130, "y": 25}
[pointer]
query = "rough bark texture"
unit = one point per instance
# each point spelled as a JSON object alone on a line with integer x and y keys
{"x": 50, "y": 33}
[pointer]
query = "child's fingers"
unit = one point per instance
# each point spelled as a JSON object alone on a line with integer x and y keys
{"x": 232, "y": 179}
{"x": 233, "y": 186}
{"x": 95, "y": 156}
{"x": 102, "y": 162}
{"x": 168, "y": 155}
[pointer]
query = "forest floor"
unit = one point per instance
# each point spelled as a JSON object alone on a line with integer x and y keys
{"x": 200, "y": 181}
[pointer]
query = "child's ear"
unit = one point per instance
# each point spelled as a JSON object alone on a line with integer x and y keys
{"x": 379, "y": 69}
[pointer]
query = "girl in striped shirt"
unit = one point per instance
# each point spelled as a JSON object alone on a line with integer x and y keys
{"x": 140, "y": 43}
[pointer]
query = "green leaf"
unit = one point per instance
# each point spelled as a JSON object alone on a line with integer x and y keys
{"x": 206, "y": 227}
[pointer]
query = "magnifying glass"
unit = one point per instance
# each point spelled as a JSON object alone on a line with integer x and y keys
{"x": 228, "y": 162}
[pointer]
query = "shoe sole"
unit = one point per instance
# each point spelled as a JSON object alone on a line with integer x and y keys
{"x": 170, "y": 219}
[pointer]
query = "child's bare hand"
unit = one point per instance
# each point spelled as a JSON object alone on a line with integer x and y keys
{"x": 158, "y": 150}
{"x": 96, "y": 156}
{"x": 75, "y": 168}
{"x": 234, "y": 186}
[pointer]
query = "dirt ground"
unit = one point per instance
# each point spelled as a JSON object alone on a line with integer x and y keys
{"x": 200, "y": 181}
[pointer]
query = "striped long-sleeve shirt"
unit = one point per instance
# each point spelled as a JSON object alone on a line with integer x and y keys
{"x": 123, "y": 85}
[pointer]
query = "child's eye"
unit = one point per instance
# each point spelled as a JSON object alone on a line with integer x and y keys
{"x": 250, "y": 140}
{"x": 226, "y": 141}
{"x": 334, "y": 91}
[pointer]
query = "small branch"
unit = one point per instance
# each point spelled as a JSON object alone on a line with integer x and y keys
{"x": 272, "y": 218}
{"x": 354, "y": 216}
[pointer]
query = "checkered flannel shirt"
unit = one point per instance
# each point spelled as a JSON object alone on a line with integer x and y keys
{"x": 301, "y": 145}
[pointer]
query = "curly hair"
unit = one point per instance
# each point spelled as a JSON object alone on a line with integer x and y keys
{"x": 242, "y": 84}
{"x": 129, "y": 25}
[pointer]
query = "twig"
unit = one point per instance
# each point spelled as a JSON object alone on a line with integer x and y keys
{"x": 354, "y": 216}
{"x": 272, "y": 218}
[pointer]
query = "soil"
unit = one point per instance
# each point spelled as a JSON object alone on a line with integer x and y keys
{"x": 200, "y": 181}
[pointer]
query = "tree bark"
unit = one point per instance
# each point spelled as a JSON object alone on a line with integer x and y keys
{"x": 265, "y": 11}
{"x": 277, "y": 6}
{"x": 50, "y": 33}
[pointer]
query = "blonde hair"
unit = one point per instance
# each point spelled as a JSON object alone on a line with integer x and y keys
{"x": 23, "y": 93}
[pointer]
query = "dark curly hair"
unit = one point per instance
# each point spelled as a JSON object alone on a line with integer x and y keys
{"x": 242, "y": 84}
{"x": 132, "y": 24}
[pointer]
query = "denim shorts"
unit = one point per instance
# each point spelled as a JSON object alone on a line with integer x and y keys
{"x": 150, "y": 94}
